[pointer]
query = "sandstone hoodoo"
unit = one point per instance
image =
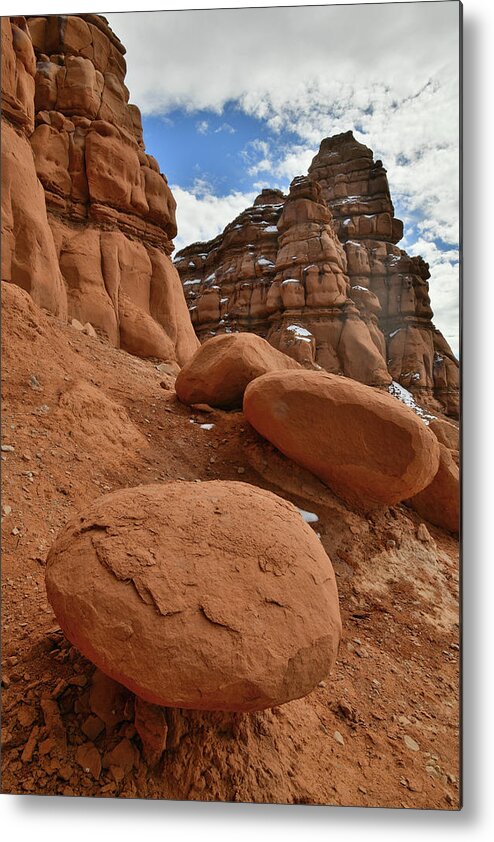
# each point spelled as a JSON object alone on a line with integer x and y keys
{"x": 215, "y": 596}
{"x": 87, "y": 217}
{"x": 370, "y": 449}
{"x": 288, "y": 284}
{"x": 222, "y": 368}
{"x": 321, "y": 276}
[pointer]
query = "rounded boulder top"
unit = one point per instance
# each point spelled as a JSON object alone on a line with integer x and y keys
{"x": 213, "y": 596}
{"x": 222, "y": 368}
{"x": 370, "y": 449}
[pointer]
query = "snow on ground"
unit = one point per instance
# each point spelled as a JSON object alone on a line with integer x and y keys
{"x": 301, "y": 333}
{"x": 309, "y": 517}
{"x": 406, "y": 397}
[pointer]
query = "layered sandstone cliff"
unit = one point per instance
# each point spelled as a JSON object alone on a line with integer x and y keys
{"x": 319, "y": 274}
{"x": 87, "y": 217}
{"x": 280, "y": 271}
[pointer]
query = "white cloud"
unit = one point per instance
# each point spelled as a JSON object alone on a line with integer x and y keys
{"x": 278, "y": 49}
{"x": 201, "y": 215}
{"x": 203, "y": 127}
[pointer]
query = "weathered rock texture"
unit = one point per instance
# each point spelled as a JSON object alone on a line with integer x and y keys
{"x": 319, "y": 275}
{"x": 87, "y": 217}
{"x": 213, "y": 596}
{"x": 370, "y": 449}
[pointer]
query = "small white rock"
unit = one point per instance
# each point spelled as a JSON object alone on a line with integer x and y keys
{"x": 410, "y": 743}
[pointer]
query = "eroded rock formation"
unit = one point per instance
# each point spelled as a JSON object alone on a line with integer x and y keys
{"x": 227, "y": 280}
{"x": 356, "y": 189}
{"x": 319, "y": 274}
{"x": 280, "y": 271}
{"x": 88, "y": 219}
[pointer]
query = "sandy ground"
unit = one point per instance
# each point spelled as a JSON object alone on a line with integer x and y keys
{"x": 382, "y": 730}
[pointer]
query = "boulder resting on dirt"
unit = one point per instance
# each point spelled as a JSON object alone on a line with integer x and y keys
{"x": 214, "y": 596}
{"x": 367, "y": 447}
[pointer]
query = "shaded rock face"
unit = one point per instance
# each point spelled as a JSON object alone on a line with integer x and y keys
{"x": 88, "y": 218}
{"x": 29, "y": 257}
{"x": 319, "y": 274}
{"x": 439, "y": 502}
{"x": 174, "y": 591}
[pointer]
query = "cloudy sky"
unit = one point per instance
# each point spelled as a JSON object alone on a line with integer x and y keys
{"x": 235, "y": 100}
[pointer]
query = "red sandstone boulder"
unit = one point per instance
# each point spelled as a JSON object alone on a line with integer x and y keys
{"x": 446, "y": 433}
{"x": 220, "y": 370}
{"x": 366, "y": 446}
{"x": 439, "y": 502}
{"x": 215, "y": 596}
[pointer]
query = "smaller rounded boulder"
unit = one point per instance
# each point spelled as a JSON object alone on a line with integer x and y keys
{"x": 213, "y": 596}
{"x": 370, "y": 449}
{"x": 439, "y": 502}
{"x": 222, "y": 368}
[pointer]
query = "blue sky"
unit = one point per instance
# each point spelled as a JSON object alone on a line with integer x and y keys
{"x": 234, "y": 100}
{"x": 206, "y": 146}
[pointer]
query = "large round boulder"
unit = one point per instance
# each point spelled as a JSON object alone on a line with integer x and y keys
{"x": 439, "y": 502}
{"x": 370, "y": 449}
{"x": 220, "y": 370}
{"x": 214, "y": 596}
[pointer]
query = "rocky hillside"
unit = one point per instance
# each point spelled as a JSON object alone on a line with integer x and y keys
{"x": 82, "y": 420}
{"x": 319, "y": 274}
{"x": 87, "y": 217}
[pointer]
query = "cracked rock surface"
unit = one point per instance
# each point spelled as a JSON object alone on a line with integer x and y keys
{"x": 213, "y": 596}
